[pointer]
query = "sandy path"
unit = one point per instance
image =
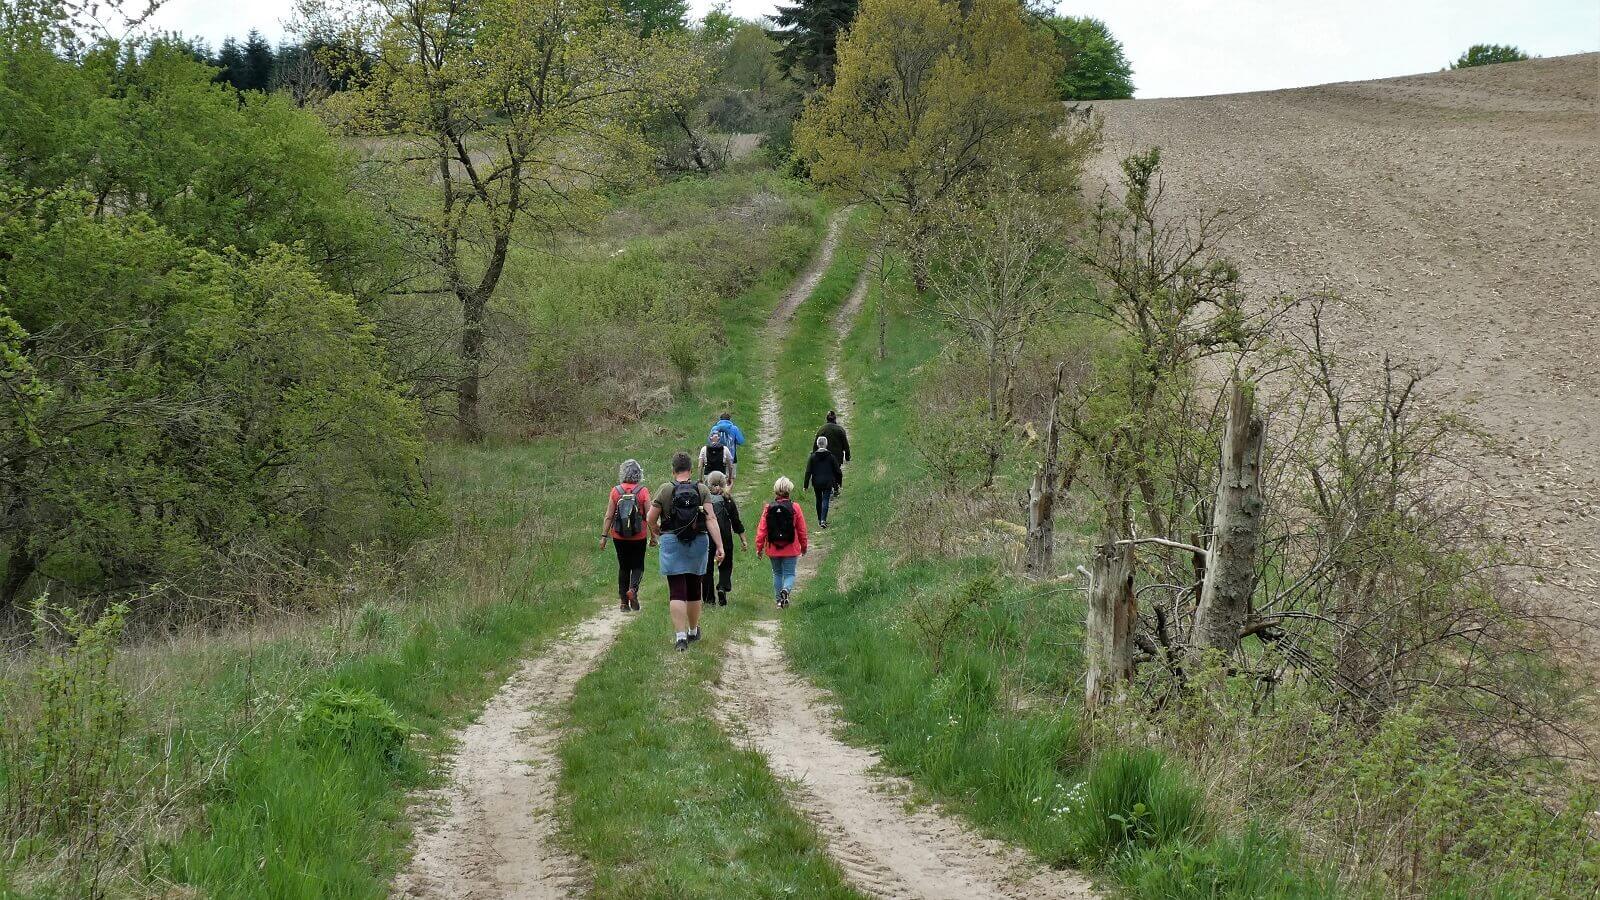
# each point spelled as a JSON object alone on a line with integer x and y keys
{"x": 494, "y": 835}
{"x": 842, "y": 322}
{"x": 885, "y": 850}
{"x": 1461, "y": 209}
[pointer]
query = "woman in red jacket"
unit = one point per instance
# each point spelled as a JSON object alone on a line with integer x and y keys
{"x": 781, "y": 537}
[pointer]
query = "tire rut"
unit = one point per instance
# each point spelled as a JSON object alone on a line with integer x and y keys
{"x": 884, "y": 849}
{"x": 842, "y": 322}
{"x": 494, "y": 832}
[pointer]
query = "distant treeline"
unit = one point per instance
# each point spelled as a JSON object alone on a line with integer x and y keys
{"x": 298, "y": 68}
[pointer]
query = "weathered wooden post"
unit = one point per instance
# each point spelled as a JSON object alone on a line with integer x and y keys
{"x": 1113, "y": 610}
{"x": 1236, "y": 526}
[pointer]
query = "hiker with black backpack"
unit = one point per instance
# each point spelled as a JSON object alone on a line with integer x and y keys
{"x": 781, "y": 537}
{"x": 730, "y": 437}
{"x": 824, "y": 473}
{"x": 718, "y": 580}
{"x": 625, "y": 527}
{"x": 716, "y": 456}
{"x": 685, "y": 526}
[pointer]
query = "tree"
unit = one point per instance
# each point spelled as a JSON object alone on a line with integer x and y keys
{"x": 231, "y": 64}
{"x": 998, "y": 273}
{"x": 1094, "y": 66}
{"x": 514, "y": 115}
{"x": 1488, "y": 54}
{"x": 650, "y": 17}
{"x": 809, "y": 33}
{"x": 929, "y": 96}
{"x": 258, "y": 64}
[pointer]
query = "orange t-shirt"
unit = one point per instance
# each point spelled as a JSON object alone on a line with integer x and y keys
{"x": 642, "y": 499}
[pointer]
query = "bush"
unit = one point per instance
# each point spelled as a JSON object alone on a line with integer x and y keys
{"x": 1487, "y": 55}
{"x": 1253, "y": 866}
{"x": 357, "y": 720}
{"x": 1133, "y": 800}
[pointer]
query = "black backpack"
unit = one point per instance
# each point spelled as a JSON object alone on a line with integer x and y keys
{"x": 780, "y": 523}
{"x": 686, "y": 512}
{"x": 716, "y": 458}
{"x": 626, "y": 521}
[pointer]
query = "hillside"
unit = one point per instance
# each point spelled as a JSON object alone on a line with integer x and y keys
{"x": 1461, "y": 211}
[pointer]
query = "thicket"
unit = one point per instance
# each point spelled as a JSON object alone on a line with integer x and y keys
{"x": 191, "y": 381}
{"x": 1487, "y": 55}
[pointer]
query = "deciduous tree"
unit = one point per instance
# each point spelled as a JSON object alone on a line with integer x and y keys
{"x": 517, "y": 115}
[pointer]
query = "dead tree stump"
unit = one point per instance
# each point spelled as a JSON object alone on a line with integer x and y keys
{"x": 1113, "y": 610}
{"x": 1236, "y": 527}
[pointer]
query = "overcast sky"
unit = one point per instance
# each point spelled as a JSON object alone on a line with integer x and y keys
{"x": 1187, "y": 47}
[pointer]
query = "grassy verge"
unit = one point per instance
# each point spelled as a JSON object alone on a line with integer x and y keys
{"x": 967, "y": 679}
{"x": 255, "y": 810}
{"x": 661, "y": 801}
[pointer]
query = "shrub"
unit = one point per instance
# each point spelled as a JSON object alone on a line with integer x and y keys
{"x": 1488, "y": 54}
{"x": 1253, "y": 866}
{"x": 1133, "y": 800}
{"x": 355, "y": 719}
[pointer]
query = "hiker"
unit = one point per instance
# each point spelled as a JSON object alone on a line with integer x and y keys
{"x": 728, "y": 518}
{"x": 685, "y": 526}
{"x": 716, "y": 457}
{"x": 824, "y": 473}
{"x": 838, "y": 444}
{"x": 625, "y": 527}
{"x": 781, "y": 537}
{"x": 732, "y": 437}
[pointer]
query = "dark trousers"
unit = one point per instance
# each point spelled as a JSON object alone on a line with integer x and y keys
{"x": 824, "y": 500}
{"x": 724, "y": 575}
{"x": 630, "y": 565}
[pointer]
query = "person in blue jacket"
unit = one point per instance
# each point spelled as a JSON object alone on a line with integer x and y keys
{"x": 732, "y": 437}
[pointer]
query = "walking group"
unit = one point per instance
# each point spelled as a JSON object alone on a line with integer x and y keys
{"x": 693, "y": 519}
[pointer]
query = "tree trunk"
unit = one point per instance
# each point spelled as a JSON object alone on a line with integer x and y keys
{"x": 1112, "y": 612}
{"x": 467, "y": 388}
{"x": 883, "y": 298}
{"x": 1040, "y": 561}
{"x": 1236, "y": 526}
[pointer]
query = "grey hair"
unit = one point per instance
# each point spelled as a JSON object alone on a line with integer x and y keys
{"x": 630, "y": 472}
{"x": 822, "y": 442}
{"x": 783, "y": 487}
{"x": 716, "y": 479}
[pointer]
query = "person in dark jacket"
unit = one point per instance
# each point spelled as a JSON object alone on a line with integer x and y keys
{"x": 728, "y": 519}
{"x": 838, "y": 443}
{"x": 824, "y": 473}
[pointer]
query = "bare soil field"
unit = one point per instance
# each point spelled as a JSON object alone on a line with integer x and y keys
{"x": 1460, "y": 211}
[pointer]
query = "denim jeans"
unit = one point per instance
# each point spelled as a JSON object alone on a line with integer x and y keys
{"x": 824, "y": 500}
{"x": 783, "y": 573}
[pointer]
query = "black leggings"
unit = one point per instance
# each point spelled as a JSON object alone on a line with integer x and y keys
{"x": 630, "y": 565}
{"x": 684, "y": 587}
{"x": 709, "y": 584}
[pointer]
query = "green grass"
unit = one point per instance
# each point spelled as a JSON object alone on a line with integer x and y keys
{"x": 293, "y": 818}
{"x": 988, "y": 723}
{"x": 661, "y": 802}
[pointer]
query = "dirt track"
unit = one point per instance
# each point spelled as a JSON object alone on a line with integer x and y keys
{"x": 495, "y": 835}
{"x": 1462, "y": 210}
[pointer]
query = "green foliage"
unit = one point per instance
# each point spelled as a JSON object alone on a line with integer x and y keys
{"x": 197, "y": 376}
{"x": 1488, "y": 54}
{"x": 1093, "y": 64}
{"x": 1247, "y": 867}
{"x": 809, "y": 32}
{"x": 353, "y": 718}
{"x": 61, "y": 744}
{"x": 1133, "y": 799}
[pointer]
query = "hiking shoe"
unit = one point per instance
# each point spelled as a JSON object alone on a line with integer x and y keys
{"x": 633, "y": 599}
{"x": 824, "y": 523}
{"x": 722, "y": 598}
{"x": 683, "y": 644}
{"x": 694, "y": 635}
{"x": 624, "y": 604}
{"x": 783, "y": 599}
